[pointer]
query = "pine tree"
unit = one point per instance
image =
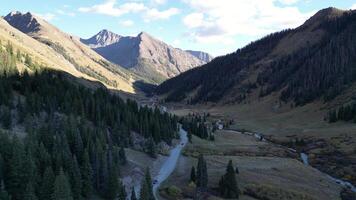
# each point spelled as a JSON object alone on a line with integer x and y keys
{"x": 144, "y": 194}
{"x": 47, "y": 184}
{"x": 122, "y": 156}
{"x": 122, "y": 191}
{"x": 87, "y": 176}
{"x": 133, "y": 194}
{"x": 3, "y": 193}
{"x": 192, "y": 175}
{"x": 75, "y": 179}
{"x": 202, "y": 173}
{"x": 15, "y": 182}
{"x": 228, "y": 186}
{"x": 148, "y": 180}
{"x": 30, "y": 192}
{"x": 62, "y": 187}
{"x": 113, "y": 184}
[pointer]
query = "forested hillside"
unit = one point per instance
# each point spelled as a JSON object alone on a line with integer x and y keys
{"x": 318, "y": 70}
{"x": 60, "y": 140}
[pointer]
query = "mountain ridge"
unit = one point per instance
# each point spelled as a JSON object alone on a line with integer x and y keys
{"x": 68, "y": 47}
{"x": 145, "y": 54}
{"x": 271, "y": 65}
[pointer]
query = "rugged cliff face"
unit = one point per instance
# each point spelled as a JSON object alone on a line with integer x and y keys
{"x": 145, "y": 55}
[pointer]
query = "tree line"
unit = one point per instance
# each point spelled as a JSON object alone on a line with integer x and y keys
{"x": 344, "y": 113}
{"x": 60, "y": 140}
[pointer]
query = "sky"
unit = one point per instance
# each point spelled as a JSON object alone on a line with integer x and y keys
{"x": 214, "y": 26}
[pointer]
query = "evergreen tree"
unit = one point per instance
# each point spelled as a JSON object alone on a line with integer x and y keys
{"x": 148, "y": 180}
{"x": 15, "y": 184}
{"x": 122, "y": 191}
{"x": 144, "y": 193}
{"x": 3, "y": 193}
{"x": 47, "y": 184}
{"x": 133, "y": 194}
{"x": 30, "y": 192}
{"x": 192, "y": 175}
{"x": 62, "y": 187}
{"x": 228, "y": 186}
{"x": 75, "y": 179}
{"x": 87, "y": 176}
{"x": 122, "y": 156}
{"x": 202, "y": 173}
{"x": 113, "y": 184}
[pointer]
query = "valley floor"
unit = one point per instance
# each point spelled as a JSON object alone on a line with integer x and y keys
{"x": 265, "y": 170}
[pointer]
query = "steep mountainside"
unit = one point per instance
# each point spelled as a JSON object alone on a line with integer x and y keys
{"x": 77, "y": 56}
{"x": 201, "y": 55}
{"x": 144, "y": 54}
{"x": 316, "y": 61}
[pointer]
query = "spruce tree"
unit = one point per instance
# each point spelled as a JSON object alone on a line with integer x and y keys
{"x": 62, "y": 189}
{"x": 144, "y": 193}
{"x": 202, "y": 173}
{"x": 148, "y": 180}
{"x": 30, "y": 192}
{"x": 47, "y": 184}
{"x": 122, "y": 156}
{"x": 133, "y": 194}
{"x": 122, "y": 191}
{"x": 15, "y": 184}
{"x": 192, "y": 175}
{"x": 228, "y": 186}
{"x": 4, "y": 195}
{"x": 113, "y": 184}
{"x": 87, "y": 176}
{"x": 75, "y": 179}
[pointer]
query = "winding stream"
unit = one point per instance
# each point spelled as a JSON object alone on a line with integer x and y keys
{"x": 304, "y": 158}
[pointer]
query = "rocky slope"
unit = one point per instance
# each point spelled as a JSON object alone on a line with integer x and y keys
{"x": 145, "y": 55}
{"x": 68, "y": 52}
{"x": 201, "y": 55}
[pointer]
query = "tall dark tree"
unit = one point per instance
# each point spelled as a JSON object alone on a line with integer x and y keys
{"x": 87, "y": 176}
{"x": 133, "y": 194}
{"x": 122, "y": 191}
{"x": 202, "y": 173}
{"x": 62, "y": 190}
{"x": 122, "y": 156}
{"x": 228, "y": 186}
{"x": 47, "y": 184}
{"x": 30, "y": 192}
{"x": 192, "y": 175}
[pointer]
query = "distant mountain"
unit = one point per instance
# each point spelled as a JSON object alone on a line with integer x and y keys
{"x": 314, "y": 62}
{"x": 201, "y": 55}
{"x": 144, "y": 54}
{"x": 102, "y": 39}
{"x": 73, "y": 55}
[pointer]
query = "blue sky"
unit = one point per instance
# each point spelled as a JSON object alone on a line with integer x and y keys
{"x": 215, "y": 26}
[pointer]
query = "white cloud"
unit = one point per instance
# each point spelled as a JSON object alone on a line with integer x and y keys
{"x": 159, "y": 1}
{"x": 46, "y": 16}
{"x": 154, "y": 14}
{"x": 110, "y": 8}
{"x": 353, "y": 7}
{"x": 220, "y": 21}
{"x": 288, "y": 2}
{"x": 66, "y": 13}
{"x": 194, "y": 20}
{"x": 127, "y": 23}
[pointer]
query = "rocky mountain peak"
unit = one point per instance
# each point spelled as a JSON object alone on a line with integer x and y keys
{"x": 102, "y": 39}
{"x": 26, "y": 23}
